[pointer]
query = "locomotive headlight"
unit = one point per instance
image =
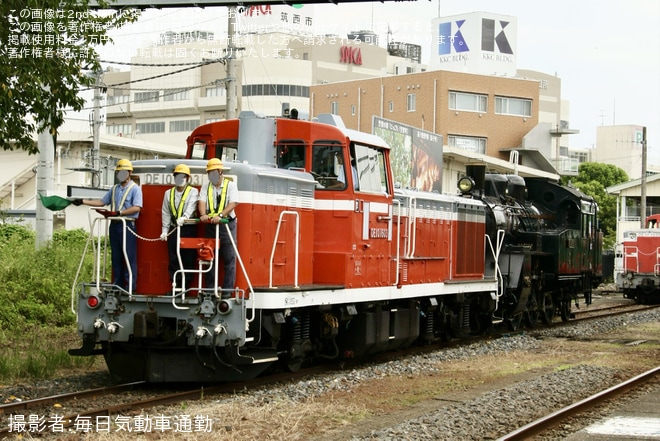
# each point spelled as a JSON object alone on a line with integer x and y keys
{"x": 465, "y": 184}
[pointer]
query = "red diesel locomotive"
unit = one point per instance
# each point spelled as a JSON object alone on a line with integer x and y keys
{"x": 334, "y": 261}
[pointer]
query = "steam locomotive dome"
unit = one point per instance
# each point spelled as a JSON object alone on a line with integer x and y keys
{"x": 505, "y": 185}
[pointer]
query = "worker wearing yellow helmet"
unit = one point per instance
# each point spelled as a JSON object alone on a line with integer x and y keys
{"x": 217, "y": 201}
{"x": 125, "y": 201}
{"x": 179, "y": 205}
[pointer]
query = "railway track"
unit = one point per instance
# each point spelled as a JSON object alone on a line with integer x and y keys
{"x": 553, "y": 419}
{"x": 45, "y": 405}
{"x": 27, "y": 405}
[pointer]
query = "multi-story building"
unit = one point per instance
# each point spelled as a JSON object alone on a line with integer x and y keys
{"x": 620, "y": 145}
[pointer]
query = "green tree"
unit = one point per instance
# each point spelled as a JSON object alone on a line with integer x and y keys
{"x": 46, "y": 49}
{"x": 592, "y": 179}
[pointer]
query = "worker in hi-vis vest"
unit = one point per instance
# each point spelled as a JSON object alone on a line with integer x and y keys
{"x": 179, "y": 204}
{"x": 217, "y": 201}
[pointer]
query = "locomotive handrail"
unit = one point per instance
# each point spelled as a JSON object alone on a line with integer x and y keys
{"x": 184, "y": 270}
{"x": 82, "y": 259}
{"x": 272, "y": 253}
{"x": 107, "y": 221}
{"x": 97, "y": 258}
{"x": 496, "y": 256}
{"x": 627, "y": 254}
{"x": 247, "y": 278}
{"x": 412, "y": 232}
{"x": 398, "y": 240}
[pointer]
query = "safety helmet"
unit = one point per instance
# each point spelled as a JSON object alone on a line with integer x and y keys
{"x": 182, "y": 168}
{"x": 124, "y": 164}
{"x": 214, "y": 164}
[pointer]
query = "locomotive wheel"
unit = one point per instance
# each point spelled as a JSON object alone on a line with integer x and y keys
{"x": 532, "y": 312}
{"x": 532, "y": 317}
{"x": 547, "y": 309}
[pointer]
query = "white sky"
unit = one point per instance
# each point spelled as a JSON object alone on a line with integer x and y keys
{"x": 606, "y": 53}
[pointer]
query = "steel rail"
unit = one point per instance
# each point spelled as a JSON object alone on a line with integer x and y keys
{"x": 17, "y": 406}
{"x": 551, "y": 420}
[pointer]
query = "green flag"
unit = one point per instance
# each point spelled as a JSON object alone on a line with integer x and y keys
{"x": 54, "y": 203}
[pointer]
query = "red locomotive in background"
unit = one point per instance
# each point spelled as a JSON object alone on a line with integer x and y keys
{"x": 638, "y": 267}
{"x": 333, "y": 260}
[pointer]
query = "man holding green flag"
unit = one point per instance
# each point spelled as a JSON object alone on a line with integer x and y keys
{"x": 125, "y": 200}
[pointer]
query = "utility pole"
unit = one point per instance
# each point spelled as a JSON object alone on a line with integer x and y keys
{"x": 96, "y": 126}
{"x": 45, "y": 183}
{"x": 643, "y": 198}
{"x": 230, "y": 82}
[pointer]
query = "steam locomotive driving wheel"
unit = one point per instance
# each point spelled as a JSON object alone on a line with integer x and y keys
{"x": 547, "y": 309}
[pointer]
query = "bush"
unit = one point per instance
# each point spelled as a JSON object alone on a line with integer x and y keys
{"x": 36, "y": 284}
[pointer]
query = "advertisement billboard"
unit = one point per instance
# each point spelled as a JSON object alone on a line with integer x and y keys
{"x": 416, "y": 155}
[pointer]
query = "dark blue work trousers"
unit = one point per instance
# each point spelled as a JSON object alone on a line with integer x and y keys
{"x": 188, "y": 255}
{"x": 227, "y": 254}
{"x": 119, "y": 269}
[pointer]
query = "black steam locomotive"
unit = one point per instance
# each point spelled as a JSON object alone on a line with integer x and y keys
{"x": 546, "y": 248}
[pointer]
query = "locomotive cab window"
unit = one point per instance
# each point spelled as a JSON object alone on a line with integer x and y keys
{"x": 370, "y": 164}
{"x": 291, "y": 155}
{"x": 327, "y": 165}
{"x": 226, "y": 150}
{"x": 198, "y": 150}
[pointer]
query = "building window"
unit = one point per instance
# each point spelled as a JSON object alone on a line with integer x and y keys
{"x": 214, "y": 91}
{"x": 411, "y": 102}
{"x": 468, "y": 102}
{"x": 334, "y": 108}
{"x": 119, "y": 129}
{"x": 147, "y": 97}
{"x": 152, "y": 127}
{"x": 187, "y": 125}
{"x": 117, "y": 99}
{"x": 391, "y": 106}
{"x": 275, "y": 90}
{"x": 513, "y": 106}
{"x": 175, "y": 95}
{"x": 469, "y": 143}
{"x": 353, "y": 110}
{"x": 210, "y": 120}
